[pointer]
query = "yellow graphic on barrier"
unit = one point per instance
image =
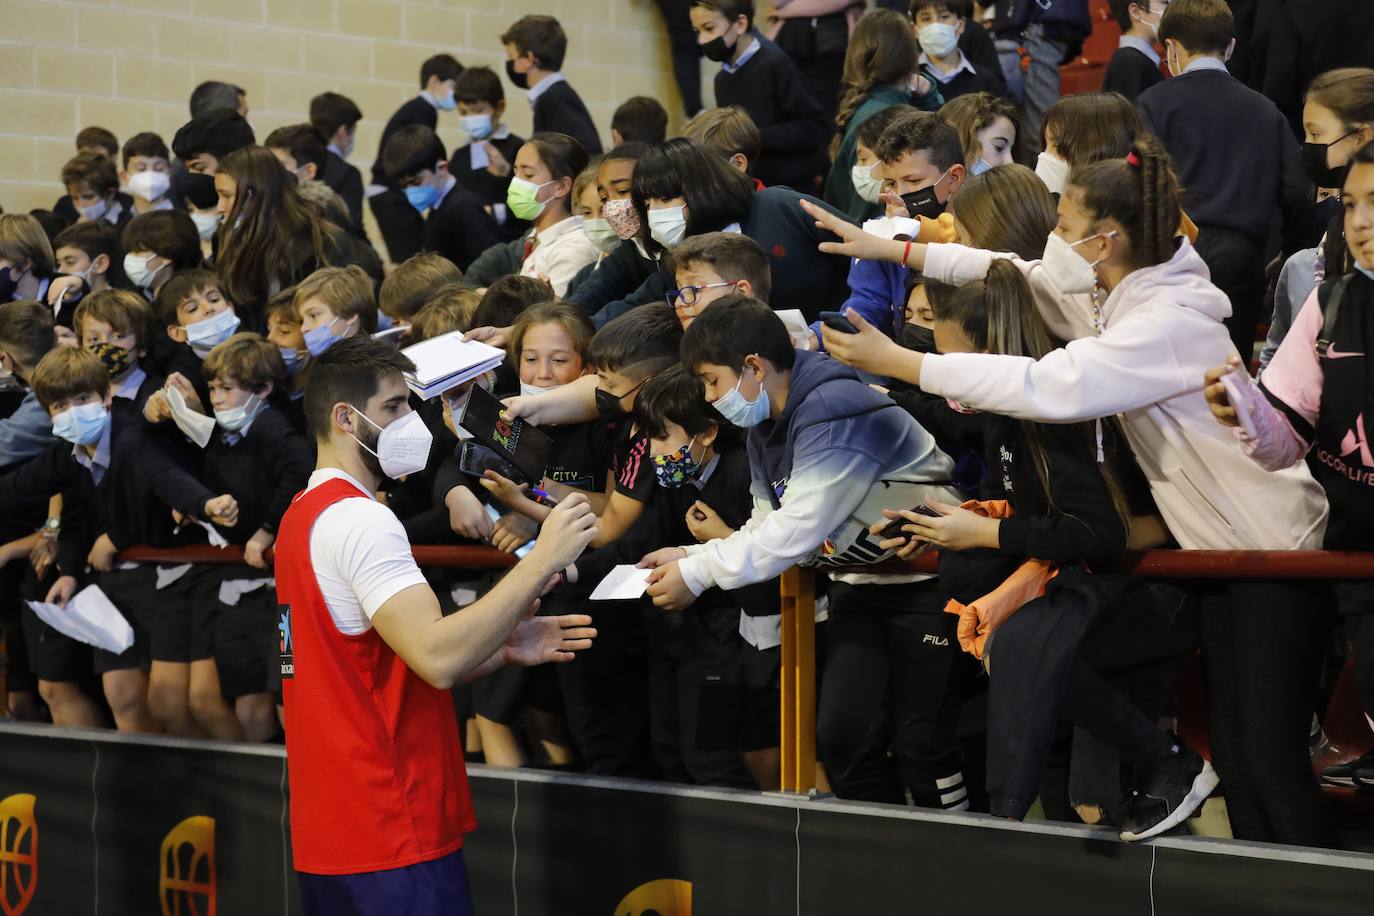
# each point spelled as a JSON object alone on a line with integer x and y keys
{"x": 664, "y": 897}
{"x": 186, "y": 885}
{"x": 18, "y": 853}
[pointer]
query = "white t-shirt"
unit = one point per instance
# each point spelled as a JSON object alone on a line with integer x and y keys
{"x": 360, "y": 554}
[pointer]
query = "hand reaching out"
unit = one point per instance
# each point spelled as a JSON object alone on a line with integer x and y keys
{"x": 536, "y": 640}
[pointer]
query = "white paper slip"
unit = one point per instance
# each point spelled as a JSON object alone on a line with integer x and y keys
{"x": 448, "y": 360}
{"x": 90, "y": 618}
{"x": 523, "y": 550}
{"x": 624, "y": 582}
{"x": 197, "y": 426}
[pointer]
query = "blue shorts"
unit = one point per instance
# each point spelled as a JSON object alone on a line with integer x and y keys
{"x": 435, "y": 888}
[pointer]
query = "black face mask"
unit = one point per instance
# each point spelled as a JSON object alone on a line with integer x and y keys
{"x": 717, "y": 50}
{"x": 1314, "y": 164}
{"x": 8, "y": 283}
{"x": 924, "y": 202}
{"x": 521, "y": 80}
{"x": 1331, "y": 213}
{"x": 915, "y": 337}
{"x": 608, "y": 405}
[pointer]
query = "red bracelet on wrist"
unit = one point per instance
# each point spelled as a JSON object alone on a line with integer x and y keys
{"x": 906, "y": 253}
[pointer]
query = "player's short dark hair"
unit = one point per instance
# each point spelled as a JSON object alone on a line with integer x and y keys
{"x": 350, "y": 372}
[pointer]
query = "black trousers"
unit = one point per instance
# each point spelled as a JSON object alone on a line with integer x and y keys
{"x": 603, "y": 689}
{"x": 697, "y": 701}
{"x": 1237, "y": 264}
{"x": 818, "y": 45}
{"x": 686, "y": 53}
{"x": 1355, "y": 601}
{"x": 894, "y": 677}
{"x": 1263, "y": 647}
{"x": 1045, "y": 662}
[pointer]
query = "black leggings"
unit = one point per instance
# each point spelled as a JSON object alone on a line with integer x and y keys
{"x": 1263, "y": 644}
{"x": 893, "y": 679}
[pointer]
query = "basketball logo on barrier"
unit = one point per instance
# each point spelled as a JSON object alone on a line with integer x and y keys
{"x": 664, "y": 897}
{"x": 18, "y": 853}
{"x": 186, "y": 886}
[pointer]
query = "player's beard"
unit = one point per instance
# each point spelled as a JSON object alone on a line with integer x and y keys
{"x": 368, "y": 436}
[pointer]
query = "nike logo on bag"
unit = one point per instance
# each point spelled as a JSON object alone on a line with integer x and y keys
{"x": 1333, "y": 353}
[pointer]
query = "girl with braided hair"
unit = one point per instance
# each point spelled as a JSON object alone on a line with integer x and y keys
{"x": 1158, "y": 318}
{"x": 879, "y": 69}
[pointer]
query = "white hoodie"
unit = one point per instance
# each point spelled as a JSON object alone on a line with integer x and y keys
{"x": 1162, "y": 329}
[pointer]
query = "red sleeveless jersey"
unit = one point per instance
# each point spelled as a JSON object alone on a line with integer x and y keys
{"x": 373, "y": 752}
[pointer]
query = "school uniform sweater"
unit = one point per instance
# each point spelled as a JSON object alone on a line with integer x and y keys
{"x": 263, "y": 467}
{"x": 1234, "y": 154}
{"x": 460, "y": 228}
{"x": 1130, "y": 73}
{"x": 131, "y": 502}
{"x": 614, "y": 277}
{"x": 347, "y": 182}
{"x": 559, "y": 108}
{"x": 772, "y": 89}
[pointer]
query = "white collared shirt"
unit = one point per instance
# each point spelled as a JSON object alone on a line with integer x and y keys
{"x": 939, "y": 75}
{"x": 1144, "y": 47}
{"x": 128, "y": 389}
{"x": 562, "y": 250}
{"x": 544, "y": 85}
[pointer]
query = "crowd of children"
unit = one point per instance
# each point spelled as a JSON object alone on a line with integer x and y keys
{"x": 874, "y": 303}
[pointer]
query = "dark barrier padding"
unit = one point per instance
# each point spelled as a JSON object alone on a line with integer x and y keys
{"x": 127, "y": 822}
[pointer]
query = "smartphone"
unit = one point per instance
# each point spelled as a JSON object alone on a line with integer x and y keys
{"x": 894, "y": 527}
{"x": 837, "y": 322}
{"x": 475, "y": 459}
{"x": 1244, "y": 398}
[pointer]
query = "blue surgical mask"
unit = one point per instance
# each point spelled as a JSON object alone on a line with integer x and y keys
{"x": 980, "y": 165}
{"x": 422, "y": 196}
{"x": 81, "y": 425}
{"x": 739, "y": 411}
{"x": 678, "y": 467}
{"x": 477, "y": 126}
{"x": 318, "y": 340}
{"x": 446, "y": 102}
{"x": 292, "y": 357}
{"x": 236, "y": 418}
{"x": 208, "y": 333}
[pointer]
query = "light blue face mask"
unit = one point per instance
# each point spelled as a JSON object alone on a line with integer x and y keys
{"x": 477, "y": 126}
{"x": 741, "y": 412}
{"x": 292, "y": 357}
{"x": 422, "y": 196}
{"x": 446, "y": 102}
{"x": 318, "y": 340}
{"x": 81, "y": 425}
{"x": 980, "y": 165}
{"x": 208, "y": 333}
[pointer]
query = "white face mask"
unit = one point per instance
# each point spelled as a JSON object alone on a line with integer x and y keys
{"x": 1053, "y": 171}
{"x": 1068, "y": 270}
{"x": 938, "y": 39}
{"x": 149, "y": 185}
{"x": 403, "y": 445}
{"x": 865, "y": 185}
{"x": 668, "y": 226}
{"x": 206, "y": 224}
{"x": 136, "y": 269}
{"x": 530, "y": 391}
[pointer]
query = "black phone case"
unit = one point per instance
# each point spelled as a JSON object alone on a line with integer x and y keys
{"x": 520, "y": 443}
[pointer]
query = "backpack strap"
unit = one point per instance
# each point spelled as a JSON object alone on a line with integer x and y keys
{"x": 1332, "y": 291}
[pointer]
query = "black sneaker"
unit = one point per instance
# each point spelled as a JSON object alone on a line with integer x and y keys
{"x": 1352, "y": 773}
{"x": 1167, "y": 793}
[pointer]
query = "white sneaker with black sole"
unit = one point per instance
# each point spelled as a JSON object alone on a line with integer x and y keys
{"x": 1167, "y": 793}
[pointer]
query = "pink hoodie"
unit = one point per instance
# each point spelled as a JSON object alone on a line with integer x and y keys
{"x": 1161, "y": 330}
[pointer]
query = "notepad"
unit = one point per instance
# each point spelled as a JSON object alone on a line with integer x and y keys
{"x": 448, "y": 361}
{"x": 624, "y": 582}
{"x": 90, "y": 618}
